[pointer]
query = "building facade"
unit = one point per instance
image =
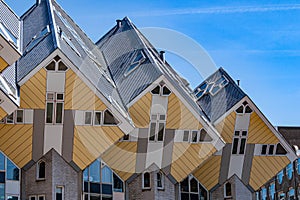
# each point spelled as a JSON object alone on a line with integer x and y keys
{"x": 113, "y": 120}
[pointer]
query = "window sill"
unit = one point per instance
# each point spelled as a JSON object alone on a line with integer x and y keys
{"x": 145, "y": 189}
{"x": 40, "y": 179}
{"x": 161, "y": 189}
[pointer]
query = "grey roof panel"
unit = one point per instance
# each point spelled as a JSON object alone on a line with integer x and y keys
{"x": 9, "y": 19}
{"x": 214, "y": 106}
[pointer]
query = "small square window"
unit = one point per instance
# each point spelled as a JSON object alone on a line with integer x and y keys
{"x": 60, "y": 96}
{"x": 153, "y": 117}
{"x": 20, "y": 116}
{"x": 244, "y": 133}
{"x": 236, "y": 133}
{"x": 50, "y": 96}
{"x": 162, "y": 117}
{"x": 32, "y": 197}
{"x": 271, "y": 149}
{"x": 41, "y": 197}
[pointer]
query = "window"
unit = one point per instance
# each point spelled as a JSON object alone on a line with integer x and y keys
{"x": 9, "y": 197}
{"x": 281, "y": 196}
{"x": 8, "y": 35}
{"x": 109, "y": 119}
{"x": 10, "y": 119}
{"x": 69, "y": 42}
{"x": 263, "y": 194}
{"x": 19, "y": 116}
{"x": 137, "y": 61}
{"x": 88, "y": 118}
{"x": 41, "y": 170}
{"x": 244, "y": 108}
{"x": 118, "y": 184}
{"x": 37, "y": 38}
{"x": 186, "y": 136}
{"x": 239, "y": 142}
{"x": 126, "y": 137}
{"x": 157, "y": 128}
{"x": 56, "y": 65}
{"x": 41, "y": 197}
{"x": 59, "y": 193}
{"x": 12, "y": 171}
{"x": 267, "y": 149}
{"x": 32, "y": 198}
{"x": 54, "y": 108}
{"x": 146, "y": 180}
{"x": 2, "y": 190}
{"x": 289, "y": 171}
{"x": 291, "y": 194}
{"x": 162, "y": 90}
{"x": 2, "y": 162}
{"x": 194, "y": 138}
{"x": 280, "y": 150}
{"x": 272, "y": 191}
{"x": 191, "y": 189}
{"x": 280, "y": 177}
{"x": 227, "y": 190}
{"x": 298, "y": 165}
{"x": 213, "y": 87}
{"x": 97, "y": 118}
{"x": 160, "y": 180}
{"x": 204, "y": 137}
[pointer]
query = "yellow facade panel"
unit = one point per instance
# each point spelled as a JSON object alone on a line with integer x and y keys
{"x": 33, "y": 92}
{"x": 208, "y": 174}
{"x": 78, "y": 96}
{"x": 16, "y": 142}
{"x": 259, "y": 132}
{"x": 179, "y": 116}
{"x": 140, "y": 111}
{"x": 264, "y": 168}
{"x": 226, "y": 127}
{"x": 2, "y": 113}
{"x": 3, "y": 64}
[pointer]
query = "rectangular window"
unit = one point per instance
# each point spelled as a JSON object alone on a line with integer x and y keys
{"x": 97, "y": 118}
{"x": 54, "y": 108}
{"x": 19, "y": 116}
{"x": 10, "y": 119}
{"x": 267, "y": 149}
{"x": 59, "y": 192}
{"x": 194, "y": 136}
{"x": 32, "y": 197}
{"x": 157, "y": 128}
{"x": 186, "y": 135}
{"x": 239, "y": 142}
{"x": 88, "y": 118}
{"x": 41, "y": 197}
{"x": 9, "y": 197}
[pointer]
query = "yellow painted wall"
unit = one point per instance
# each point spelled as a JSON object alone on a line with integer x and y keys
{"x": 91, "y": 141}
{"x": 3, "y": 64}
{"x": 264, "y": 168}
{"x": 2, "y": 113}
{"x": 208, "y": 174}
{"x": 259, "y": 132}
{"x": 140, "y": 111}
{"x": 122, "y": 158}
{"x": 187, "y": 157}
{"x": 16, "y": 143}
{"x": 179, "y": 117}
{"x": 33, "y": 92}
{"x": 78, "y": 96}
{"x": 226, "y": 127}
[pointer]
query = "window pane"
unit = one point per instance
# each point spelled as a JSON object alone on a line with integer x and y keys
{"x": 161, "y": 132}
{"x": 184, "y": 185}
{"x": 2, "y": 191}
{"x": 93, "y": 197}
{"x": 156, "y": 90}
{"x": 106, "y": 189}
{"x": 240, "y": 109}
{"x": 159, "y": 180}
{"x": 42, "y": 169}
{"x": 59, "y": 193}
{"x": 186, "y": 135}
{"x": 243, "y": 145}
{"x": 10, "y": 118}
{"x": 236, "y": 133}
{"x": 12, "y": 198}
{"x": 95, "y": 188}
{"x": 203, "y": 193}
{"x": 228, "y": 189}
{"x": 12, "y": 172}
{"x": 280, "y": 177}
{"x": 50, "y": 96}
{"x": 271, "y": 149}
{"x": 289, "y": 171}
{"x": 51, "y": 66}
{"x": 49, "y": 113}
{"x": 60, "y": 96}
{"x": 97, "y": 118}
{"x": 109, "y": 118}
{"x": 95, "y": 171}
{"x": 59, "y": 112}
{"x": 19, "y": 116}
{"x": 106, "y": 175}
{"x": 194, "y": 185}
{"x": 88, "y": 118}
{"x": 118, "y": 184}
{"x": 194, "y": 136}
{"x": 204, "y": 137}
{"x": 2, "y": 161}
{"x": 146, "y": 179}
{"x": 166, "y": 91}
{"x": 264, "y": 149}
{"x": 86, "y": 174}
{"x": 2, "y": 177}
{"x": 152, "y": 131}
{"x": 62, "y": 67}
{"x": 194, "y": 197}
{"x": 244, "y": 133}
{"x": 41, "y": 198}
{"x": 235, "y": 145}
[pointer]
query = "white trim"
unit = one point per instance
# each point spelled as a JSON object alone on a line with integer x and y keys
{"x": 162, "y": 179}
{"x": 38, "y": 170}
{"x": 62, "y": 191}
{"x": 225, "y": 195}
{"x": 54, "y": 23}
{"x": 143, "y": 181}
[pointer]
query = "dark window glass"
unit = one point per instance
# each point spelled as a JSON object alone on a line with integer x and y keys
{"x": 243, "y": 145}
{"x": 166, "y": 91}
{"x": 95, "y": 188}
{"x": 12, "y": 172}
{"x": 59, "y": 111}
{"x": 88, "y": 118}
{"x": 236, "y": 133}
{"x": 161, "y": 131}
{"x": 203, "y": 193}
{"x": 235, "y": 145}
{"x": 280, "y": 150}
{"x": 194, "y": 197}
{"x": 60, "y": 96}
{"x": 106, "y": 189}
{"x": 185, "y": 196}
{"x": 194, "y": 185}
{"x": 159, "y": 180}
{"x": 12, "y": 198}
{"x": 41, "y": 198}
{"x": 228, "y": 189}
{"x": 240, "y": 109}
{"x": 51, "y": 66}
{"x": 56, "y": 58}
{"x": 271, "y": 149}
{"x": 31, "y": 198}
{"x": 204, "y": 137}
{"x": 146, "y": 180}
{"x": 156, "y": 90}
{"x": 2, "y": 161}
{"x": 2, "y": 177}
{"x": 186, "y": 135}
{"x": 19, "y": 116}
{"x": 109, "y": 118}
{"x": 2, "y": 191}
{"x": 86, "y": 187}
{"x": 59, "y": 193}
{"x": 94, "y": 197}
{"x": 264, "y": 149}
{"x": 126, "y": 137}
{"x": 49, "y": 113}
{"x": 118, "y": 184}
{"x": 62, "y": 67}
{"x": 97, "y": 118}
{"x": 194, "y": 136}
{"x": 152, "y": 131}
{"x": 106, "y": 198}
{"x": 10, "y": 118}
{"x": 86, "y": 197}
{"x": 184, "y": 185}
{"x": 248, "y": 109}
{"x": 42, "y": 169}
{"x": 244, "y": 133}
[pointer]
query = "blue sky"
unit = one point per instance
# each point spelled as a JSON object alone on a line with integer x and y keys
{"x": 257, "y": 42}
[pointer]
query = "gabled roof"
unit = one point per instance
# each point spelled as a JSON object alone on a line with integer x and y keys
{"x": 218, "y": 94}
{"x": 46, "y": 27}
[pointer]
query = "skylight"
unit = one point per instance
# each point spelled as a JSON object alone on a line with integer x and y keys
{"x": 137, "y": 61}
{"x": 8, "y": 35}
{"x": 37, "y": 38}
{"x": 70, "y": 43}
{"x": 213, "y": 87}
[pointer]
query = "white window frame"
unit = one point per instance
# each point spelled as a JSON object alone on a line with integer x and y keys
{"x": 143, "y": 181}
{"x": 197, "y": 136}
{"x": 161, "y": 93}
{"x": 188, "y": 137}
{"x": 162, "y": 179}
{"x": 55, "y": 101}
{"x": 101, "y": 118}
{"x": 32, "y": 196}
{"x": 42, "y": 195}
{"x": 157, "y": 121}
{"x": 62, "y": 190}
{"x": 56, "y": 66}
{"x": 240, "y": 137}
{"x": 13, "y": 118}
{"x": 225, "y": 195}
{"x": 84, "y": 118}
{"x": 267, "y": 149}
{"x": 16, "y": 116}
{"x": 38, "y": 170}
